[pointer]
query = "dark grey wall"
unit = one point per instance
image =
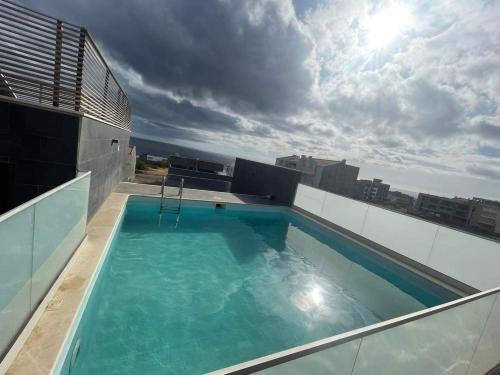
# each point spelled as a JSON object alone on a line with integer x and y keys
{"x": 105, "y": 159}
{"x": 339, "y": 178}
{"x": 38, "y": 151}
{"x": 199, "y": 180}
{"x": 251, "y": 177}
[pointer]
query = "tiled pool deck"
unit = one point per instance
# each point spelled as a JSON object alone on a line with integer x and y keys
{"x": 38, "y": 349}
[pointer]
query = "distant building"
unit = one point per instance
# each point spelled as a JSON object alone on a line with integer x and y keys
{"x": 454, "y": 211}
{"x": 330, "y": 175}
{"x": 152, "y": 158}
{"x": 372, "y": 190}
{"x": 195, "y": 164}
{"x": 399, "y": 200}
{"x": 485, "y": 216}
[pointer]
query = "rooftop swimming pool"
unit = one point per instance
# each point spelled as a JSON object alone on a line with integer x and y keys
{"x": 221, "y": 286}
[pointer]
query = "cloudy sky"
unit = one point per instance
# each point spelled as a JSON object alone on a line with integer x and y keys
{"x": 407, "y": 90}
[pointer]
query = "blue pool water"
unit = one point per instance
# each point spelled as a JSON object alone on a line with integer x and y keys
{"x": 226, "y": 286}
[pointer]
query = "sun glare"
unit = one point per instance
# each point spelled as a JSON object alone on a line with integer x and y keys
{"x": 385, "y": 25}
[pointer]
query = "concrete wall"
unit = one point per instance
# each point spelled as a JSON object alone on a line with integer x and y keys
{"x": 38, "y": 150}
{"x": 105, "y": 159}
{"x": 469, "y": 259}
{"x": 251, "y": 177}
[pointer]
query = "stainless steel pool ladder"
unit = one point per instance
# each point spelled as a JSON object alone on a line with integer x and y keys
{"x": 164, "y": 206}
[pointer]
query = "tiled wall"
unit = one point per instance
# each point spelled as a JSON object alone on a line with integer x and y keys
{"x": 469, "y": 259}
{"x": 41, "y": 146}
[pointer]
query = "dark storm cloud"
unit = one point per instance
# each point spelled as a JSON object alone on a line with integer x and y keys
{"x": 161, "y": 129}
{"x": 182, "y": 113}
{"x": 250, "y": 60}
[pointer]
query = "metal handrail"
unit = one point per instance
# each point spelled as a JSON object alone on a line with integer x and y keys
{"x": 162, "y": 191}
{"x": 181, "y": 187}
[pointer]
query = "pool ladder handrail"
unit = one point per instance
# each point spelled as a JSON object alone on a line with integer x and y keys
{"x": 163, "y": 206}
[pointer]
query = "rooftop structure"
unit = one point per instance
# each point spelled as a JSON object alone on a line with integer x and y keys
{"x": 330, "y": 175}
{"x": 153, "y": 158}
{"x": 195, "y": 164}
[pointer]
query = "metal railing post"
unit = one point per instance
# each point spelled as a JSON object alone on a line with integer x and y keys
{"x": 106, "y": 83}
{"x": 181, "y": 187}
{"x": 79, "y": 69}
{"x": 57, "y": 64}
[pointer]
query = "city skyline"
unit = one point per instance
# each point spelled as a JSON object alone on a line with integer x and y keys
{"x": 407, "y": 91}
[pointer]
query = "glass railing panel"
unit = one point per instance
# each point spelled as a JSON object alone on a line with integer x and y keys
{"x": 487, "y": 353}
{"x": 407, "y": 235}
{"x": 463, "y": 339}
{"x": 338, "y": 360}
{"x": 16, "y": 234}
{"x": 60, "y": 221}
{"x": 442, "y": 343}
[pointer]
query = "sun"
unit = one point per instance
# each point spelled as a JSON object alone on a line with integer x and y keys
{"x": 384, "y": 26}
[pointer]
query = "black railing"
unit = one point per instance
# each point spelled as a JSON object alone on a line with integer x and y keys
{"x": 50, "y": 62}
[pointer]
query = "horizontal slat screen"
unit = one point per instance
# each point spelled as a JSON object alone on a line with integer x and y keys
{"x": 50, "y": 62}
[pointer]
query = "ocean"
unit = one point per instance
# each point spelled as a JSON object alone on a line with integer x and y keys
{"x": 145, "y": 146}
